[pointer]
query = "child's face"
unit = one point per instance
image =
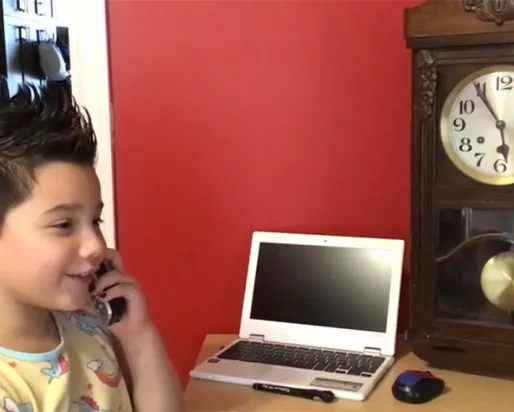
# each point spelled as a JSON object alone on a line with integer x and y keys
{"x": 51, "y": 243}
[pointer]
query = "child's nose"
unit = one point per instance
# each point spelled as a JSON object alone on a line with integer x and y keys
{"x": 92, "y": 247}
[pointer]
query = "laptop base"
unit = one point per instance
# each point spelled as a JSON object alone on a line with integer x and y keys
{"x": 247, "y": 373}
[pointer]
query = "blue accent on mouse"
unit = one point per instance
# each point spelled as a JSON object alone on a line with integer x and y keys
{"x": 408, "y": 378}
{"x": 415, "y": 386}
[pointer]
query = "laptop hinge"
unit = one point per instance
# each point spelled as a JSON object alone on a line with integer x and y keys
{"x": 256, "y": 338}
{"x": 372, "y": 351}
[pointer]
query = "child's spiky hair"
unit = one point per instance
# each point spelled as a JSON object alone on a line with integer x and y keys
{"x": 40, "y": 125}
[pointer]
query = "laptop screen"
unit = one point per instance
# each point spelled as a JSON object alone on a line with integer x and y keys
{"x": 337, "y": 287}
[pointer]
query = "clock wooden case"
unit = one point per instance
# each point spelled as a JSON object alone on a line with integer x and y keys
{"x": 462, "y": 259}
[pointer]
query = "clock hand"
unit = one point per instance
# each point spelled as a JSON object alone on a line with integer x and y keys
{"x": 483, "y": 97}
{"x": 503, "y": 149}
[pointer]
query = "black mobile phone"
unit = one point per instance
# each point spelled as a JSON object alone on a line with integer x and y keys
{"x": 112, "y": 311}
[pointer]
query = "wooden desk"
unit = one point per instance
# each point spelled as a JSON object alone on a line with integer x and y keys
{"x": 467, "y": 393}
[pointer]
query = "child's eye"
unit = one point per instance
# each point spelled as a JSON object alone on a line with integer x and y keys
{"x": 64, "y": 226}
{"x": 98, "y": 222}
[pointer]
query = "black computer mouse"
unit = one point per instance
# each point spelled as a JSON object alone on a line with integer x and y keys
{"x": 414, "y": 386}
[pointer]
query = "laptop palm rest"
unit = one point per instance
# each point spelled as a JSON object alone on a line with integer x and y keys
{"x": 243, "y": 370}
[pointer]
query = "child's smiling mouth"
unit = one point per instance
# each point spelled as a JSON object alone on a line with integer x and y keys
{"x": 86, "y": 278}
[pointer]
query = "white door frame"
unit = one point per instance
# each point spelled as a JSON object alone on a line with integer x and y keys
{"x": 90, "y": 85}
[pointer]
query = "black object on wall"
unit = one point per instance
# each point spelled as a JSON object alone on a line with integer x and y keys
{"x": 25, "y": 24}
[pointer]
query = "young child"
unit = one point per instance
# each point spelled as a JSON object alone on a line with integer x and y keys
{"x": 55, "y": 353}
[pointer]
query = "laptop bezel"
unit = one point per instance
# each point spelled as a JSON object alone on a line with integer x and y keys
{"x": 318, "y": 336}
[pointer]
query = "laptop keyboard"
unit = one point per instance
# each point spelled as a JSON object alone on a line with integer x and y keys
{"x": 349, "y": 363}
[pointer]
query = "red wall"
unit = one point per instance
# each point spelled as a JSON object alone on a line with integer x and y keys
{"x": 234, "y": 116}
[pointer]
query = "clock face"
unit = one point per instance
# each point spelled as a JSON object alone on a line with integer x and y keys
{"x": 477, "y": 125}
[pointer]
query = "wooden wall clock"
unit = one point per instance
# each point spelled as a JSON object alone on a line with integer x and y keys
{"x": 462, "y": 254}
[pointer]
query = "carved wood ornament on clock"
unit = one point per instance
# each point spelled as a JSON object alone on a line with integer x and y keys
{"x": 462, "y": 262}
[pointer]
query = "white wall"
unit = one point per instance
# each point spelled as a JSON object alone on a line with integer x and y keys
{"x": 90, "y": 86}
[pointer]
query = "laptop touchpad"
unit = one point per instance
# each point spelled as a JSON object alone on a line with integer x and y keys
{"x": 249, "y": 370}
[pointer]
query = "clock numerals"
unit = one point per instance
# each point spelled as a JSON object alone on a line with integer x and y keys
{"x": 459, "y": 124}
{"x": 476, "y": 123}
{"x": 504, "y": 83}
{"x": 479, "y": 157}
{"x": 482, "y": 87}
{"x": 465, "y": 145}
{"x": 500, "y": 166}
{"x": 466, "y": 107}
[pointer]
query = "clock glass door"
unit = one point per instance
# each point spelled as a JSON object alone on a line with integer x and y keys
{"x": 474, "y": 259}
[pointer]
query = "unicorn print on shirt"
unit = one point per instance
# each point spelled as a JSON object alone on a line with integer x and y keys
{"x": 11, "y": 406}
{"x": 58, "y": 367}
{"x": 87, "y": 323}
{"x": 112, "y": 378}
{"x": 88, "y": 404}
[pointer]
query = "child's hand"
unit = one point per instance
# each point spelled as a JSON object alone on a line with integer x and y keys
{"x": 115, "y": 284}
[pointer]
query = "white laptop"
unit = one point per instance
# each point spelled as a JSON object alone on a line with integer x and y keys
{"x": 319, "y": 312}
